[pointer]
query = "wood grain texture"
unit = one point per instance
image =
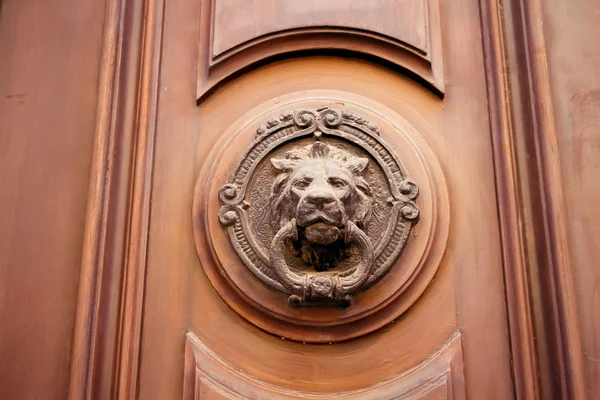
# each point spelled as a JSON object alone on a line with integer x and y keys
{"x": 106, "y": 344}
{"x": 239, "y": 21}
{"x": 571, "y": 34}
{"x": 208, "y": 377}
{"x": 49, "y": 66}
{"x": 240, "y": 35}
{"x": 558, "y": 341}
{"x": 511, "y": 219}
{"x": 94, "y": 241}
{"x": 135, "y": 266}
{"x": 466, "y": 110}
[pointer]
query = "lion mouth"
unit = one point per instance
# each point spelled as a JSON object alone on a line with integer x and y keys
{"x": 319, "y": 217}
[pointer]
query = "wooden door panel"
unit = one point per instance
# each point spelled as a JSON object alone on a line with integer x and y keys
{"x": 422, "y": 341}
{"x": 209, "y": 377}
{"x": 438, "y": 312}
{"x": 236, "y": 35}
{"x": 370, "y": 310}
{"x": 49, "y": 67}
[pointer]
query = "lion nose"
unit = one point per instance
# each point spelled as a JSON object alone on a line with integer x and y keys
{"x": 320, "y": 197}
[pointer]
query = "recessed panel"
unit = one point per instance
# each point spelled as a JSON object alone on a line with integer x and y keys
{"x": 208, "y": 377}
{"x": 238, "y": 35}
{"x": 239, "y": 21}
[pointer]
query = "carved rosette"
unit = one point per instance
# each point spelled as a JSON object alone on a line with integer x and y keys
{"x": 319, "y": 207}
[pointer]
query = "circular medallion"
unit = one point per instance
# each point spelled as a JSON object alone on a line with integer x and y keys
{"x": 309, "y": 210}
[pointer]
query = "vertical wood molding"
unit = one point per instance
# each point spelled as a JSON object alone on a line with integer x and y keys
{"x": 135, "y": 265}
{"x": 516, "y": 276}
{"x": 567, "y": 341}
{"x": 531, "y": 209}
{"x": 92, "y": 260}
{"x": 105, "y": 354}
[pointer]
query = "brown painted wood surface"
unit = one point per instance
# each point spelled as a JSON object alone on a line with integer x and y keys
{"x": 49, "y": 61}
{"x": 103, "y": 139}
{"x": 574, "y": 62}
{"x": 179, "y": 298}
{"x": 236, "y": 22}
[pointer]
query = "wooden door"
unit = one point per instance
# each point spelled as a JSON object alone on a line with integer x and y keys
{"x": 319, "y": 199}
{"x": 400, "y": 85}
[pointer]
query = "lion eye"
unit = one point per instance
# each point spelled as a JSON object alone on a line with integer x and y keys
{"x": 302, "y": 183}
{"x": 337, "y": 182}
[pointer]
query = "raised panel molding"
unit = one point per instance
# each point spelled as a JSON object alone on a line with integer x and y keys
{"x": 208, "y": 377}
{"x": 239, "y": 21}
{"x": 240, "y": 34}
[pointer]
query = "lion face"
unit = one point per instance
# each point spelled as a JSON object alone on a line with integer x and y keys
{"x": 322, "y": 187}
{"x": 320, "y": 183}
{"x": 322, "y": 191}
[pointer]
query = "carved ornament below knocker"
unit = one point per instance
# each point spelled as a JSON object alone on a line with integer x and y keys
{"x": 337, "y": 213}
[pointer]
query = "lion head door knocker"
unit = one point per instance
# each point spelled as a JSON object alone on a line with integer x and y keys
{"x": 336, "y": 213}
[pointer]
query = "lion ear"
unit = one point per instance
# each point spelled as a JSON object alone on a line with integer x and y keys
{"x": 358, "y": 164}
{"x": 283, "y": 164}
{"x": 362, "y": 185}
{"x": 279, "y": 183}
{"x": 362, "y": 212}
{"x": 288, "y": 163}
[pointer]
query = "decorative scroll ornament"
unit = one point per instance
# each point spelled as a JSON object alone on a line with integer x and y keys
{"x": 319, "y": 207}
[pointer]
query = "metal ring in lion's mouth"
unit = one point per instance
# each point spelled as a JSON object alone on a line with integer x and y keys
{"x": 322, "y": 233}
{"x": 322, "y": 287}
